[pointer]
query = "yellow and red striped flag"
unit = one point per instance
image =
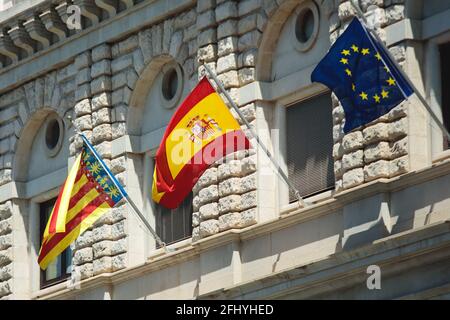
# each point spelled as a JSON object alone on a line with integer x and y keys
{"x": 89, "y": 191}
{"x": 201, "y": 131}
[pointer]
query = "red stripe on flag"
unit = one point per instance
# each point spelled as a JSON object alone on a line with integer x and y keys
{"x": 83, "y": 214}
{"x": 55, "y": 212}
{"x": 191, "y": 172}
{"x": 200, "y": 92}
{"x": 88, "y": 186}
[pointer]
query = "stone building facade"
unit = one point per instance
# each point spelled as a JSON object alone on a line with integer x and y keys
{"x": 376, "y": 196}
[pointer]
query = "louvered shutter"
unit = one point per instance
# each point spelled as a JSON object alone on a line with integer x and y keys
{"x": 309, "y": 128}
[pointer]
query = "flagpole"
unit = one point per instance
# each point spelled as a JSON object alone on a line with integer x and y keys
{"x": 424, "y": 102}
{"x": 124, "y": 194}
{"x": 258, "y": 140}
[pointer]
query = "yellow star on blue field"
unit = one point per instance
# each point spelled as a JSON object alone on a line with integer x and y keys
{"x": 377, "y": 98}
{"x": 363, "y": 96}
{"x": 365, "y": 52}
{"x": 346, "y": 52}
{"x": 385, "y": 94}
{"x": 378, "y": 56}
{"x": 391, "y": 81}
{"x": 344, "y": 61}
{"x": 349, "y": 72}
{"x": 355, "y": 48}
{"x": 353, "y": 87}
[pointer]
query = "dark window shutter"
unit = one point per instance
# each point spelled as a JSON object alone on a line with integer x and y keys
{"x": 176, "y": 224}
{"x": 445, "y": 85}
{"x": 309, "y": 128}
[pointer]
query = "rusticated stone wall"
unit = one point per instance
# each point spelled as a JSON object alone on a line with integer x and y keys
{"x": 6, "y": 255}
{"x": 379, "y": 149}
{"x": 96, "y": 87}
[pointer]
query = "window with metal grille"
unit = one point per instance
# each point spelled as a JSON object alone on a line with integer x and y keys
{"x": 59, "y": 269}
{"x": 445, "y": 85}
{"x": 309, "y": 129}
{"x": 176, "y": 224}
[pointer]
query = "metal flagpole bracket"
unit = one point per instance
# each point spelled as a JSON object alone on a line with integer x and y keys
{"x": 280, "y": 172}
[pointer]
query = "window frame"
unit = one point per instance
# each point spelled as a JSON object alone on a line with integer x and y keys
{"x": 296, "y": 105}
{"x": 43, "y": 282}
{"x": 159, "y": 212}
{"x": 280, "y": 144}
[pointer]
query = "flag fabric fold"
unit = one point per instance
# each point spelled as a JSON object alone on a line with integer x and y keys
{"x": 359, "y": 71}
{"x": 89, "y": 191}
{"x": 201, "y": 131}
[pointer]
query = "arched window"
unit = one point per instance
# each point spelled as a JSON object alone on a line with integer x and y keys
{"x": 158, "y": 93}
{"x": 40, "y": 166}
{"x": 294, "y": 42}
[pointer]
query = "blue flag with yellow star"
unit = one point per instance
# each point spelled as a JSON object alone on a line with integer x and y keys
{"x": 363, "y": 77}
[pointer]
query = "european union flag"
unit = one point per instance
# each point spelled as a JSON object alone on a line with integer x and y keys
{"x": 363, "y": 77}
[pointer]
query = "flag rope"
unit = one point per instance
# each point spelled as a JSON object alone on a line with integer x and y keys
{"x": 281, "y": 173}
{"x": 424, "y": 102}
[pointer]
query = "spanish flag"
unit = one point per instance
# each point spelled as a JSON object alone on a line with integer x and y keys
{"x": 200, "y": 132}
{"x": 89, "y": 191}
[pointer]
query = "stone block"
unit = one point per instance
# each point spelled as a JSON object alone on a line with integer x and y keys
{"x": 227, "y": 45}
{"x": 5, "y": 257}
{"x": 101, "y": 133}
{"x": 5, "y": 210}
{"x": 230, "y": 203}
{"x": 5, "y": 241}
{"x": 195, "y": 219}
{"x": 101, "y": 52}
{"x": 5, "y": 288}
{"x": 230, "y": 186}
{"x": 249, "y": 40}
{"x": 102, "y": 248}
{"x": 208, "y": 228}
{"x": 5, "y": 226}
{"x": 353, "y": 141}
{"x": 208, "y": 194}
{"x": 101, "y": 84}
{"x": 6, "y": 273}
{"x": 101, "y": 68}
{"x": 207, "y": 53}
{"x": 82, "y": 108}
{"x": 85, "y": 271}
{"x": 353, "y": 178}
{"x": 209, "y": 211}
{"x": 82, "y": 256}
{"x": 226, "y": 10}
{"x": 227, "y": 28}
{"x": 119, "y": 262}
{"x": 353, "y": 160}
{"x": 227, "y": 63}
{"x": 376, "y": 170}
{"x": 206, "y": 20}
{"x": 232, "y": 168}
{"x": 102, "y": 265}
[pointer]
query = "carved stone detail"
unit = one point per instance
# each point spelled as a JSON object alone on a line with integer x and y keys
{"x": 109, "y": 6}
{"x": 7, "y": 47}
{"x": 21, "y": 38}
{"x": 37, "y": 31}
{"x": 54, "y": 23}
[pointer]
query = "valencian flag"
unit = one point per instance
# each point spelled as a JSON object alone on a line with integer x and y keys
{"x": 89, "y": 191}
{"x": 200, "y": 132}
{"x": 363, "y": 77}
